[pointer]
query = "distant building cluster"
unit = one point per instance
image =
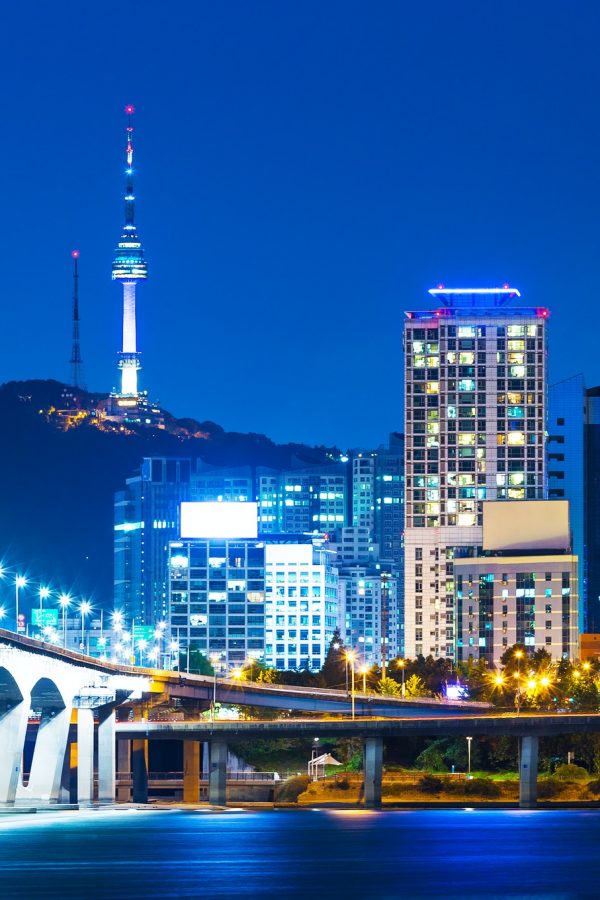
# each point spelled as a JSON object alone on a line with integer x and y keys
{"x": 472, "y": 531}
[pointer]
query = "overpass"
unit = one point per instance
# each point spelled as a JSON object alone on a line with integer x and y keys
{"x": 526, "y": 727}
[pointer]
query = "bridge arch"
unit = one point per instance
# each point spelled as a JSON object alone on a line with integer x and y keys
{"x": 46, "y": 696}
{"x": 10, "y": 693}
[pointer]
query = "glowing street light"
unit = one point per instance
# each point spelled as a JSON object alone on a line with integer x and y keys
{"x": 84, "y": 608}
{"x": 350, "y": 657}
{"x": 64, "y": 601}
{"x": 20, "y": 582}
{"x": 44, "y": 594}
{"x": 401, "y": 663}
{"x": 142, "y": 644}
{"x": 363, "y": 671}
{"x": 236, "y": 673}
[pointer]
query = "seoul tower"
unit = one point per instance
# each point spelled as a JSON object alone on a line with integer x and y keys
{"x": 128, "y": 268}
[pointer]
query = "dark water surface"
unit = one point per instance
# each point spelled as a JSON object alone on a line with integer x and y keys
{"x": 306, "y": 854}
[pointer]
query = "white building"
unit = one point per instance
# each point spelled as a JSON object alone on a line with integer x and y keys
{"x": 475, "y": 410}
{"x": 301, "y": 604}
{"x": 522, "y": 587}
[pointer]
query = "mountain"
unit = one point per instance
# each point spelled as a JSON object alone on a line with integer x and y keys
{"x": 61, "y": 462}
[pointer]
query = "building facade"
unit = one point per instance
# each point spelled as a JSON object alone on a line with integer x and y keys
{"x": 301, "y": 603}
{"x": 370, "y": 606}
{"x": 217, "y": 599}
{"x": 475, "y": 417}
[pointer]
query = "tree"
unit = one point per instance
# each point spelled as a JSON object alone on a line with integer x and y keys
{"x": 333, "y": 673}
{"x": 388, "y": 687}
{"x": 432, "y": 757}
{"x": 415, "y": 687}
{"x": 198, "y": 663}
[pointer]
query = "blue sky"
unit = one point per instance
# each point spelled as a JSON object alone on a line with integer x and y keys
{"x": 305, "y": 171}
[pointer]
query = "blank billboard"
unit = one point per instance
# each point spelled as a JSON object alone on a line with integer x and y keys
{"x": 219, "y": 520}
{"x": 526, "y": 525}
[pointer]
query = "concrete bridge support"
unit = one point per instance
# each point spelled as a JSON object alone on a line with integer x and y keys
{"x": 13, "y": 727}
{"x": 48, "y": 757}
{"x": 191, "y": 771}
{"x": 139, "y": 771}
{"x": 106, "y": 755}
{"x": 124, "y": 770}
{"x": 217, "y": 776}
{"x": 373, "y": 769}
{"x": 528, "y": 770}
{"x": 85, "y": 756}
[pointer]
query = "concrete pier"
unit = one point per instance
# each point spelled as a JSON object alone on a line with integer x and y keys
{"x": 191, "y": 771}
{"x": 373, "y": 769}
{"x": 106, "y": 755}
{"x": 528, "y": 770}
{"x": 85, "y": 756}
{"x": 217, "y": 776}
{"x": 139, "y": 771}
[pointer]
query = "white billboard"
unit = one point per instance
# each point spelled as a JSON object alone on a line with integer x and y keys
{"x": 526, "y": 525}
{"x": 219, "y": 520}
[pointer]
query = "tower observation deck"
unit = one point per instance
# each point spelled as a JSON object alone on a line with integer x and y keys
{"x": 128, "y": 268}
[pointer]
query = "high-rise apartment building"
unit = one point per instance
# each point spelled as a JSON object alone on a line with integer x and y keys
{"x": 370, "y": 607}
{"x": 475, "y": 416}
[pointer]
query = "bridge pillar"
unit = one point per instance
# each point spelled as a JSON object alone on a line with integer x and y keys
{"x": 139, "y": 758}
{"x": 191, "y": 771}
{"x": 48, "y": 756}
{"x": 106, "y": 755}
{"x": 124, "y": 769}
{"x": 85, "y": 756}
{"x": 528, "y": 771}
{"x": 217, "y": 776}
{"x": 68, "y": 781}
{"x": 13, "y": 727}
{"x": 373, "y": 769}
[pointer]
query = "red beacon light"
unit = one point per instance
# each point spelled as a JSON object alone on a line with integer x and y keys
{"x": 543, "y": 313}
{"x": 75, "y": 254}
{"x": 505, "y": 286}
{"x": 130, "y": 110}
{"x": 440, "y": 287}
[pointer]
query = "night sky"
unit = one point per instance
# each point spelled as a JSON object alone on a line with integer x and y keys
{"x": 305, "y": 171}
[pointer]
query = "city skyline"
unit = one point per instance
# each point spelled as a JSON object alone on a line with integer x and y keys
{"x": 344, "y": 178}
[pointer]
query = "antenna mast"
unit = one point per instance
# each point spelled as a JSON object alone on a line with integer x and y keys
{"x": 76, "y": 361}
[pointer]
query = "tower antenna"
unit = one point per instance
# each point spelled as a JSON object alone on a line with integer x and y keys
{"x": 77, "y": 379}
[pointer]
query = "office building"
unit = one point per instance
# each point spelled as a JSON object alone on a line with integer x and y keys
{"x": 217, "y": 583}
{"x": 301, "y": 602}
{"x": 475, "y": 416}
{"x": 521, "y": 587}
{"x": 146, "y": 518}
{"x": 592, "y": 509}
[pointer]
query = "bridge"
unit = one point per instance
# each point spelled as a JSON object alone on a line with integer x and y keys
{"x": 72, "y": 703}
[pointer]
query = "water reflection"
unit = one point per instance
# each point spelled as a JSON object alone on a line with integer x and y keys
{"x": 310, "y": 854}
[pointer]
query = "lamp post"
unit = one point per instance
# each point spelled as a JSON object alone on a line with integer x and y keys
{"x": 350, "y": 657}
{"x": 518, "y": 656}
{"x": 84, "y": 609}
{"x": 469, "y": 739}
{"x": 44, "y": 594}
{"x": 401, "y": 665}
{"x": 142, "y": 644}
{"x": 20, "y": 581}
{"x": 363, "y": 671}
{"x": 64, "y": 601}
{"x": 214, "y": 658}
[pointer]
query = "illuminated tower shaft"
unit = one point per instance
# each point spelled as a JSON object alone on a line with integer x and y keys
{"x": 128, "y": 268}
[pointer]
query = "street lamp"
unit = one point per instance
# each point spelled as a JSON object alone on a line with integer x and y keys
{"x": 84, "y": 608}
{"x": 142, "y": 644}
{"x": 518, "y": 656}
{"x": 214, "y": 659}
{"x": 363, "y": 671}
{"x": 401, "y": 665}
{"x": 44, "y": 594}
{"x": 20, "y": 582}
{"x": 350, "y": 657}
{"x": 64, "y": 601}
{"x": 469, "y": 739}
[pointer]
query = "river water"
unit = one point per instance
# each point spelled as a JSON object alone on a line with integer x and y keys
{"x": 309, "y": 854}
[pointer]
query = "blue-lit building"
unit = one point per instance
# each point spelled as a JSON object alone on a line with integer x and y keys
{"x": 566, "y": 461}
{"x": 592, "y": 510}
